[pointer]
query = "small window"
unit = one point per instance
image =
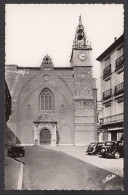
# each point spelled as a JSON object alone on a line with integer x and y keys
{"x": 46, "y": 100}
{"x": 107, "y": 61}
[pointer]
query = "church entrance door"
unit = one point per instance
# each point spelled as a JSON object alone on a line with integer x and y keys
{"x": 45, "y": 136}
{"x": 45, "y": 132}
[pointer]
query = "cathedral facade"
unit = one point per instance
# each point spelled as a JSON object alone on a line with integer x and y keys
{"x": 55, "y": 105}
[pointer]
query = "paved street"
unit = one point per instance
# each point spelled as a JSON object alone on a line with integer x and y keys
{"x": 109, "y": 164}
{"x": 47, "y": 169}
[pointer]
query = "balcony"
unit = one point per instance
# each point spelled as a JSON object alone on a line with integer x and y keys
{"x": 107, "y": 94}
{"x": 119, "y": 63}
{"x": 107, "y": 71}
{"x": 119, "y": 88}
{"x": 112, "y": 119}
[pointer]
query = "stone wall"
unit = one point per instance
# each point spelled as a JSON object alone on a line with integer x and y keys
{"x": 75, "y": 118}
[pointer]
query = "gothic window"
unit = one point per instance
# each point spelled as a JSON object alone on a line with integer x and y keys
{"x": 46, "y": 100}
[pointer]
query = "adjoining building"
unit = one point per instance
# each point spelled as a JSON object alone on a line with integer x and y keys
{"x": 7, "y": 102}
{"x": 10, "y": 137}
{"x": 55, "y": 105}
{"x": 112, "y": 89}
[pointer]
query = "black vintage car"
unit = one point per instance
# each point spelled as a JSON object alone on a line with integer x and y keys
{"x": 16, "y": 151}
{"x": 94, "y": 147}
{"x": 112, "y": 149}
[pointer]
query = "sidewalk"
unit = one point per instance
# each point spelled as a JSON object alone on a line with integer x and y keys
{"x": 113, "y": 165}
{"x": 13, "y": 174}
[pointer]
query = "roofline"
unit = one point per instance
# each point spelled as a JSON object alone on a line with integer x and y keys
{"x": 38, "y": 68}
{"x": 32, "y": 68}
{"x": 111, "y": 47}
{"x": 63, "y": 68}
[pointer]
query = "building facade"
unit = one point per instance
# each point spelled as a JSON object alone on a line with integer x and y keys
{"x": 55, "y": 105}
{"x": 112, "y": 89}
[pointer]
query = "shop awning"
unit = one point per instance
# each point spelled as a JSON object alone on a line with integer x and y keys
{"x": 116, "y": 129}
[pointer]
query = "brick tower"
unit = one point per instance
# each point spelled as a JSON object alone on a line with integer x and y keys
{"x": 84, "y": 99}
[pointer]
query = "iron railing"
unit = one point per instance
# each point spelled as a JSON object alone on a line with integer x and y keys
{"x": 112, "y": 119}
{"x": 119, "y": 88}
{"x": 107, "y": 94}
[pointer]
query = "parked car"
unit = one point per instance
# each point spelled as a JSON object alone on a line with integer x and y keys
{"x": 16, "y": 151}
{"x": 112, "y": 149}
{"x": 94, "y": 147}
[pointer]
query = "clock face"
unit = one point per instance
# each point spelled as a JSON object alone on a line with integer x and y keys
{"x": 82, "y": 56}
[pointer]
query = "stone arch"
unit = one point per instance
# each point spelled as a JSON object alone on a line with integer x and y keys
{"x": 40, "y": 75}
{"x": 45, "y": 127}
{"x": 50, "y": 87}
{"x": 27, "y": 134}
{"x": 45, "y": 136}
{"x": 38, "y": 87}
{"x": 65, "y": 134}
{"x": 51, "y": 127}
{"x": 64, "y": 82}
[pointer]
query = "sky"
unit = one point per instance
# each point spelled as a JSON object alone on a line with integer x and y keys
{"x": 34, "y": 30}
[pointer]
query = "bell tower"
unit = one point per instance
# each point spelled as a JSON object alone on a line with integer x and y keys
{"x": 81, "y": 51}
{"x": 83, "y": 88}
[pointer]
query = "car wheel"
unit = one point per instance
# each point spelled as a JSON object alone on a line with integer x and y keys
{"x": 103, "y": 151}
{"x": 117, "y": 155}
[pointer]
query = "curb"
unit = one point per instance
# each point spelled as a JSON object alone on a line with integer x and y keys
{"x": 20, "y": 180}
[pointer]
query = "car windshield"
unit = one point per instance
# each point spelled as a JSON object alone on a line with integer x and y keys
{"x": 101, "y": 144}
{"x": 17, "y": 147}
{"x": 110, "y": 144}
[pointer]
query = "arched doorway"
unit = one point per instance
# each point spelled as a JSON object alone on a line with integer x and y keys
{"x": 45, "y": 136}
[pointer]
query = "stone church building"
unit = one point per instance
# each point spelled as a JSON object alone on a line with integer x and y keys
{"x": 55, "y": 105}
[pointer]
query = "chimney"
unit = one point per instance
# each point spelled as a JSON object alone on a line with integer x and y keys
{"x": 115, "y": 38}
